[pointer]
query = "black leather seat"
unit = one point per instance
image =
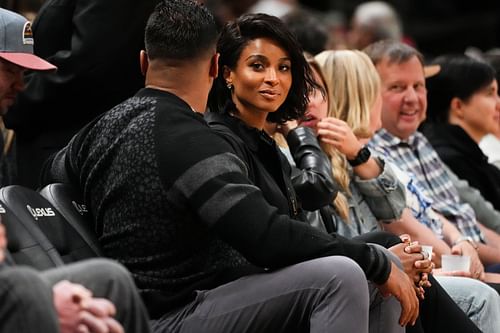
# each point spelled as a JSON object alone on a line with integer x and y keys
{"x": 68, "y": 201}
{"x": 28, "y": 206}
{"x": 27, "y": 244}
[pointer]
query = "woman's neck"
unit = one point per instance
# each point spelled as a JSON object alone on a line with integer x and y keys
{"x": 475, "y": 135}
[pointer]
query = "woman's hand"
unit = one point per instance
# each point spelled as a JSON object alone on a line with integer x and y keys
{"x": 287, "y": 127}
{"x": 415, "y": 265}
{"x": 337, "y": 133}
{"x": 414, "y": 262}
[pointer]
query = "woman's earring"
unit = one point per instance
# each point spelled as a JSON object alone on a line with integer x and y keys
{"x": 229, "y": 86}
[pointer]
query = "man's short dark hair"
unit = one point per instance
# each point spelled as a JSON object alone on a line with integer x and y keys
{"x": 394, "y": 51}
{"x": 179, "y": 30}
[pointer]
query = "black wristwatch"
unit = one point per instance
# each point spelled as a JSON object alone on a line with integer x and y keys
{"x": 362, "y": 156}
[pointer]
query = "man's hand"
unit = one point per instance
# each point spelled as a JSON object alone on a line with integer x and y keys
{"x": 3, "y": 243}
{"x": 439, "y": 271}
{"x": 476, "y": 269}
{"x": 400, "y": 286}
{"x": 79, "y": 312}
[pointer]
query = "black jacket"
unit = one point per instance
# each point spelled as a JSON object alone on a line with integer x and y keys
{"x": 269, "y": 169}
{"x": 464, "y": 157}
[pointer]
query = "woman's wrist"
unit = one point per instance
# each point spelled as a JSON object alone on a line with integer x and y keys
{"x": 362, "y": 155}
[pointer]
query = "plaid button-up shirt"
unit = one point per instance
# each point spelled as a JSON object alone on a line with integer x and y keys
{"x": 417, "y": 157}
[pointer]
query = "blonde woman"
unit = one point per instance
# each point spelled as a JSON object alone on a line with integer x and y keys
{"x": 354, "y": 106}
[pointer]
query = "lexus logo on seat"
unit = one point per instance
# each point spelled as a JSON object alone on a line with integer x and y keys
{"x": 40, "y": 212}
{"x": 80, "y": 208}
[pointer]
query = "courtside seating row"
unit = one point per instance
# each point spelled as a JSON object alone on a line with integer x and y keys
{"x": 49, "y": 228}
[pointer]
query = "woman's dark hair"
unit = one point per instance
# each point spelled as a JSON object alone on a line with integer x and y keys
{"x": 460, "y": 76}
{"x": 235, "y": 36}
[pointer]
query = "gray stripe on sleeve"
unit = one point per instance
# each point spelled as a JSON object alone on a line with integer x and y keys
{"x": 223, "y": 200}
{"x": 205, "y": 170}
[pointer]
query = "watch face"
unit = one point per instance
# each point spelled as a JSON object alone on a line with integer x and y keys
{"x": 364, "y": 154}
{"x": 362, "y": 157}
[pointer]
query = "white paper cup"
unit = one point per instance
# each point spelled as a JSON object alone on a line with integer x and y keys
{"x": 451, "y": 263}
{"x": 428, "y": 250}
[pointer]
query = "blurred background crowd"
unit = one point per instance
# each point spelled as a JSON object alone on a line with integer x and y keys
{"x": 436, "y": 27}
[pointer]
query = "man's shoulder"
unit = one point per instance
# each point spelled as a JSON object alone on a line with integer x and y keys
{"x": 184, "y": 136}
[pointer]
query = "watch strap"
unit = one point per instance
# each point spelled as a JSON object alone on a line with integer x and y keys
{"x": 465, "y": 239}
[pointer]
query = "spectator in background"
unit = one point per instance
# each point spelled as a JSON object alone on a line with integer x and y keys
{"x": 309, "y": 29}
{"x": 16, "y": 48}
{"x": 277, "y": 8}
{"x": 464, "y": 106}
{"x": 95, "y": 45}
{"x": 27, "y": 8}
{"x": 404, "y": 108}
{"x": 373, "y": 21}
{"x": 490, "y": 145}
{"x": 227, "y": 10}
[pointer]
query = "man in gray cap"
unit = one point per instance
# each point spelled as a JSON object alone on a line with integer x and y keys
{"x": 16, "y": 55}
{"x": 46, "y": 301}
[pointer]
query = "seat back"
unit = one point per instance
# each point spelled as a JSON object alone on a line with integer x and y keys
{"x": 68, "y": 201}
{"x": 29, "y": 206}
{"x": 27, "y": 244}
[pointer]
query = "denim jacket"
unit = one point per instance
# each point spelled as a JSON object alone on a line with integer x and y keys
{"x": 378, "y": 199}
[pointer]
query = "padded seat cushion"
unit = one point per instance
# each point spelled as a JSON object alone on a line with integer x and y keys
{"x": 29, "y": 206}
{"x": 66, "y": 199}
{"x": 27, "y": 244}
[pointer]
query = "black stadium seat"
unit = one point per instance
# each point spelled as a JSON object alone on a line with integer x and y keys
{"x": 69, "y": 203}
{"x": 27, "y": 205}
{"x": 27, "y": 244}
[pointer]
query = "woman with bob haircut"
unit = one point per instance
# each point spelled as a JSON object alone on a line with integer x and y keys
{"x": 263, "y": 76}
{"x": 463, "y": 107}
